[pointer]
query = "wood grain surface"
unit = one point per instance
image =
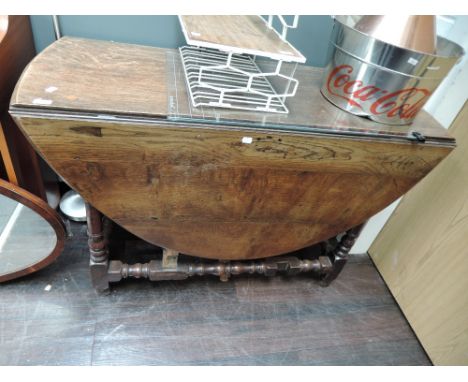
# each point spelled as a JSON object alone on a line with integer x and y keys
{"x": 215, "y": 190}
{"x": 422, "y": 255}
{"x": 203, "y": 192}
{"x": 240, "y": 33}
{"x": 102, "y": 77}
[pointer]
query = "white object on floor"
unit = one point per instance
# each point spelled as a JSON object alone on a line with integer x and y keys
{"x": 72, "y": 205}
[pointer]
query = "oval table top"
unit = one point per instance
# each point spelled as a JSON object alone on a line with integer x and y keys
{"x": 108, "y": 78}
{"x": 211, "y": 183}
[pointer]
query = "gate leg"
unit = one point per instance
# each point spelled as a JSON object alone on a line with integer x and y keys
{"x": 339, "y": 256}
{"x": 99, "y": 255}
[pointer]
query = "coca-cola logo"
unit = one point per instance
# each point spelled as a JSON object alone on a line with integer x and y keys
{"x": 403, "y": 103}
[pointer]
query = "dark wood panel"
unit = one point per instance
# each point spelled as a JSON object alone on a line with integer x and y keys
{"x": 16, "y": 51}
{"x": 23, "y": 157}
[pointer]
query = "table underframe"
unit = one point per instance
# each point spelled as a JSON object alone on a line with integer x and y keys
{"x": 104, "y": 271}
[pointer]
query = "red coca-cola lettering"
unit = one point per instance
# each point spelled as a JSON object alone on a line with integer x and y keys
{"x": 403, "y": 103}
{"x": 333, "y": 75}
{"x": 348, "y": 88}
{"x": 367, "y": 92}
{"x": 399, "y": 103}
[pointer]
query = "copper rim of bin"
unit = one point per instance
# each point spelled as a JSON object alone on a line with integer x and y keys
{"x": 413, "y": 32}
{"x": 443, "y": 48}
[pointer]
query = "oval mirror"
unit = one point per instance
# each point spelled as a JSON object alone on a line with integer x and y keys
{"x": 32, "y": 234}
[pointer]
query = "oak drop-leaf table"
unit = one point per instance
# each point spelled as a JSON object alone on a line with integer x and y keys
{"x": 114, "y": 121}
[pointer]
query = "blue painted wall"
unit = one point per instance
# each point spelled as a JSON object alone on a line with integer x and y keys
{"x": 311, "y": 37}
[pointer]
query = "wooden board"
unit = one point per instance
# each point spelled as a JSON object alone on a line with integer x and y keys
{"x": 202, "y": 191}
{"x": 238, "y": 34}
{"x": 95, "y": 76}
{"x": 422, "y": 255}
{"x": 114, "y": 79}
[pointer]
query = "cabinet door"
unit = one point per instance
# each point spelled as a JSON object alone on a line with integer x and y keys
{"x": 422, "y": 253}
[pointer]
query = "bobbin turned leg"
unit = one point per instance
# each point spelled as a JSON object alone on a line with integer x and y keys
{"x": 339, "y": 256}
{"x": 99, "y": 256}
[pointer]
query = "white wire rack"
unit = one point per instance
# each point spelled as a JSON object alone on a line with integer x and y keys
{"x": 225, "y": 79}
{"x": 221, "y": 75}
{"x": 285, "y": 26}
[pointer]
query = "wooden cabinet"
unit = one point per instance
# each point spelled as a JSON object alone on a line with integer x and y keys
{"x": 19, "y": 164}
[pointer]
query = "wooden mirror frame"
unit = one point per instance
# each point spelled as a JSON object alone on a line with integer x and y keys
{"x": 47, "y": 213}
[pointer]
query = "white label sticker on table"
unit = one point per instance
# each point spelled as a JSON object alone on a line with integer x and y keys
{"x": 247, "y": 140}
{"x": 51, "y": 89}
{"x": 41, "y": 101}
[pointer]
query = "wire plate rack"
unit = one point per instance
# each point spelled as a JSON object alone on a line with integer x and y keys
{"x": 235, "y": 81}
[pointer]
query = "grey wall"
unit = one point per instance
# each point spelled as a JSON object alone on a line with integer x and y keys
{"x": 311, "y": 37}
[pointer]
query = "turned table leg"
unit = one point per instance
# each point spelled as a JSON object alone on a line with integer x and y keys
{"x": 99, "y": 255}
{"x": 339, "y": 256}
